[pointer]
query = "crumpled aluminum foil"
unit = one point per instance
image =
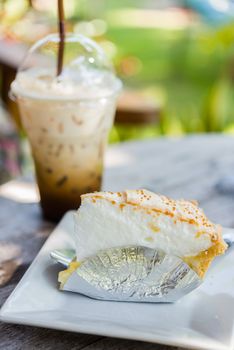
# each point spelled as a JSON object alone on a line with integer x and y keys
{"x": 137, "y": 274}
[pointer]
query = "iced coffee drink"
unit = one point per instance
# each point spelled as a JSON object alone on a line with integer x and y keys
{"x": 67, "y": 121}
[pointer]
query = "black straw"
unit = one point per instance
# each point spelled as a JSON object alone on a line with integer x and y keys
{"x": 61, "y": 29}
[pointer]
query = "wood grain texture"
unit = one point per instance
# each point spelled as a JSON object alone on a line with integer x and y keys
{"x": 182, "y": 168}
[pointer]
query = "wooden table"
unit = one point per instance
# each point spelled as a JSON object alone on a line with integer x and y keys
{"x": 188, "y": 168}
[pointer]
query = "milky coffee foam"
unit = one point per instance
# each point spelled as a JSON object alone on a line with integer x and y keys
{"x": 42, "y": 83}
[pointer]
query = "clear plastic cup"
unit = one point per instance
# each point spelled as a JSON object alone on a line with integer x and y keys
{"x": 67, "y": 118}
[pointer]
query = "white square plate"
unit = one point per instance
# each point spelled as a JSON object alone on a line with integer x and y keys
{"x": 203, "y": 319}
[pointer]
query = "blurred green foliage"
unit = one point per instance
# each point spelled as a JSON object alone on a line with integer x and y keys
{"x": 189, "y": 70}
{"x": 193, "y": 70}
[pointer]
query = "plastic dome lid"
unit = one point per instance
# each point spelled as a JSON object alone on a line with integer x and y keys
{"x": 86, "y": 74}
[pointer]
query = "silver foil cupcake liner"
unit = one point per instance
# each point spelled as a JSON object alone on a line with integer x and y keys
{"x": 132, "y": 274}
